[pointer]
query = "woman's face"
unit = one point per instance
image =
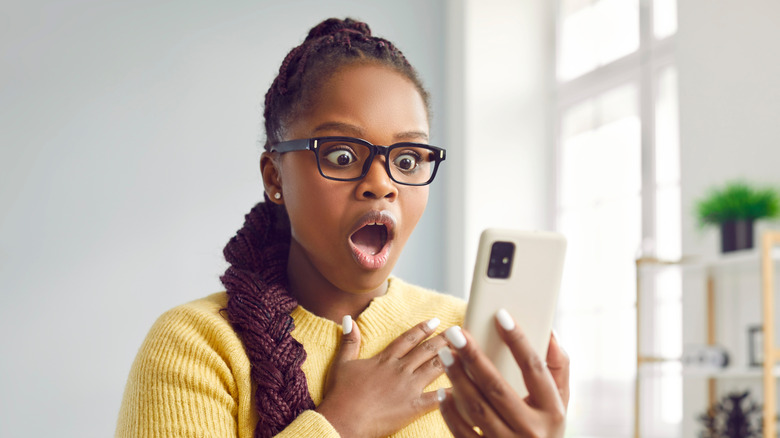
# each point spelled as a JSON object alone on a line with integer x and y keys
{"x": 331, "y": 220}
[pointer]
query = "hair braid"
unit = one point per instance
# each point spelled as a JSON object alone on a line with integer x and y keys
{"x": 259, "y": 310}
{"x": 329, "y": 46}
{"x": 259, "y": 304}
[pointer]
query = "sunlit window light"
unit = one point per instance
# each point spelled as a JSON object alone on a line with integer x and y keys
{"x": 664, "y": 18}
{"x": 595, "y": 33}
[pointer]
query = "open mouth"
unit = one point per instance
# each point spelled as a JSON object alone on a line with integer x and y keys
{"x": 372, "y": 239}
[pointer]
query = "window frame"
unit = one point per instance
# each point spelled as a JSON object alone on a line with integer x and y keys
{"x": 643, "y": 68}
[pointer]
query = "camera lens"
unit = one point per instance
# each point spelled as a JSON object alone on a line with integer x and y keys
{"x": 501, "y": 256}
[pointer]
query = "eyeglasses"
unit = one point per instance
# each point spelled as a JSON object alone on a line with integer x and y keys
{"x": 348, "y": 159}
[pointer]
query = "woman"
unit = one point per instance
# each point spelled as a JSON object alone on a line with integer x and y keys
{"x": 268, "y": 356}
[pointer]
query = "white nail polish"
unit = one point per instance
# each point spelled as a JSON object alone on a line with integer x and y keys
{"x": 441, "y": 394}
{"x": 455, "y": 335}
{"x": 346, "y": 324}
{"x": 432, "y": 323}
{"x": 505, "y": 319}
{"x": 558, "y": 340}
{"x": 446, "y": 356}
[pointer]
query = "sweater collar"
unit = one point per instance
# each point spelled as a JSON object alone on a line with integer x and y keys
{"x": 380, "y": 317}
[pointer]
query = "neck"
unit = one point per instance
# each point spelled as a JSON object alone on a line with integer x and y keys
{"x": 318, "y": 295}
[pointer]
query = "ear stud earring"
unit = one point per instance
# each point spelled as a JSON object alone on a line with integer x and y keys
{"x": 277, "y": 196}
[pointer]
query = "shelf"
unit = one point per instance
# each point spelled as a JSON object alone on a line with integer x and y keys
{"x": 751, "y": 258}
{"x": 760, "y": 266}
{"x": 728, "y": 372}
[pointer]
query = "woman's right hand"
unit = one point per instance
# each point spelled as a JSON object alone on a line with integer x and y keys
{"x": 380, "y": 395}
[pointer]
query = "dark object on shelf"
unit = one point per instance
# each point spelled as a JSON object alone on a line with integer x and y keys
{"x": 705, "y": 356}
{"x": 734, "y": 416}
{"x": 756, "y": 344}
{"x": 736, "y": 235}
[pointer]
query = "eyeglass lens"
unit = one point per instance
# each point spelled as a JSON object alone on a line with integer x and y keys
{"x": 346, "y": 160}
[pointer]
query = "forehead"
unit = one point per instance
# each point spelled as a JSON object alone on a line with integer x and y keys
{"x": 374, "y": 99}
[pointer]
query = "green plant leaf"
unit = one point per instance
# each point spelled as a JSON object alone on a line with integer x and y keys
{"x": 737, "y": 200}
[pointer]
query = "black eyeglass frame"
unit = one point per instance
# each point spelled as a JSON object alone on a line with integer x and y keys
{"x": 312, "y": 144}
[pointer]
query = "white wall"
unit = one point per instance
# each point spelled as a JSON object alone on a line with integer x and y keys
{"x": 505, "y": 64}
{"x": 728, "y": 55}
{"x": 129, "y": 142}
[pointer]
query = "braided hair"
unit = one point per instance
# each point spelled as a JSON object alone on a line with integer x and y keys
{"x": 259, "y": 303}
{"x": 329, "y": 46}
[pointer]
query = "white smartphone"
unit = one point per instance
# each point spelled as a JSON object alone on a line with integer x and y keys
{"x": 521, "y": 272}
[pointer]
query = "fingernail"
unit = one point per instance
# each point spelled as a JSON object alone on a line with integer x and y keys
{"x": 455, "y": 335}
{"x": 441, "y": 394}
{"x": 432, "y": 323}
{"x": 446, "y": 356}
{"x": 557, "y": 338}
{"x": 346, "y": 324}
{"x": 505, "y": 320}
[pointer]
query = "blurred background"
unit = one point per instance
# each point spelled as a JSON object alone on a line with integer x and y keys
{"x": 130, "y": 134}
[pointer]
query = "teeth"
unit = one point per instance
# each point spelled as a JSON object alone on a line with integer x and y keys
{"x": 381, "y": 224}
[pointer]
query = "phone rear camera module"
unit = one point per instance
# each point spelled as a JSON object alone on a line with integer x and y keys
{"x": 501, "y": 256}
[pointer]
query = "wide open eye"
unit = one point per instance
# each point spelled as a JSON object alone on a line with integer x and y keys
{"x": 340, "y": 157}
{"x": 406, "y": 161}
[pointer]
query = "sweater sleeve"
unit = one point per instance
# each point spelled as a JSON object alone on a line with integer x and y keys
{"x": 191, "y": 378}
{"x": 185, "y": 380}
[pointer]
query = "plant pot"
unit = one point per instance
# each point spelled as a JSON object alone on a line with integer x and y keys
{"x": 736, "y": 235}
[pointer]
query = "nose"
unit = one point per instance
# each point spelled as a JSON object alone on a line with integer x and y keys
{"x": 377, "y": 183}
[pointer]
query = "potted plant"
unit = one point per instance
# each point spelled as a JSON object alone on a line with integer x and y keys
{"x": 734, "y": 208}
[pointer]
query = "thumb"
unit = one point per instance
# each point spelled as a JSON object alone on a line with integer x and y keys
{"x": 350, "y": 341}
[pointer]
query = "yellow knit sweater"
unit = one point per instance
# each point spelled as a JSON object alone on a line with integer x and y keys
{"x": 191, "y": 377}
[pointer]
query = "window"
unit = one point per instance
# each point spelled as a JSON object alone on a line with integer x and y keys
{"x": 618, "y": 195}
{"x": 595, "y": 33}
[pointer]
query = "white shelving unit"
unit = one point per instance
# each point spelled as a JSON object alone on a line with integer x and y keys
{"x": 735, "y": 291}
{"x": 729, "y": 373}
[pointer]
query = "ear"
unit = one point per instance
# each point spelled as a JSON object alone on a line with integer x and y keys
{"x": 272, "y": 179}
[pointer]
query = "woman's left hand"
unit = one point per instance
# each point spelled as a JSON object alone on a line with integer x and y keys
{"x": 481, "y": 397}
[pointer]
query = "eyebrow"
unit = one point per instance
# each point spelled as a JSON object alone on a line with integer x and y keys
{"x": 359, "y": 132}
{"x": 411, "y": 135}
{"x": 341, "y": 127}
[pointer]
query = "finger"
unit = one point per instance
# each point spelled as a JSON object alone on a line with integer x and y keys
{"x": 350, "y": 341}
{"x": 543, "y": 392}
{"x": 431, "y": 369}
{"x": 469, "y": 400}
{"x": 422, "y": 354}
{"x": 489, "y": 381}
{"x": 410, "y": 339}
{"x": 458, "y": 426}
{"x": 558, "y": 364}
{"x": 427, "y": 402}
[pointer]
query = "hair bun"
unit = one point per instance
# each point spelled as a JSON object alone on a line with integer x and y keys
{"x": 334, "y": 25}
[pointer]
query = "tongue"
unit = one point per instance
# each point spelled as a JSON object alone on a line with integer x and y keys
{"x": 370, "y": 239}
